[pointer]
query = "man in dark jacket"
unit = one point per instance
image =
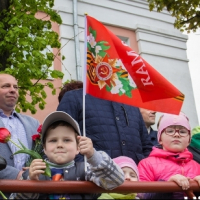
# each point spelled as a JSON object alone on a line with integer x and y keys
{"x": 149, "y": 118}
{"x": 115, "y": 128}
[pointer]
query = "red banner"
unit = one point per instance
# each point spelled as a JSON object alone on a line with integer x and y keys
{"x": 115, "y": 72}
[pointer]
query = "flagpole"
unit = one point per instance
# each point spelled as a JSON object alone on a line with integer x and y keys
{"x": 84, "y": 85}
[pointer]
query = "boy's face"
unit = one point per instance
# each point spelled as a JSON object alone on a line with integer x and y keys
{"x": 60, "y": 146}
{"x": 174, "y": 143}
{"x": 129, "y": 174}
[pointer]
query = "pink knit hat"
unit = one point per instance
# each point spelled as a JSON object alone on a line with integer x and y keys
{"x": 170, "y": 120}
{"x": 124, "y": 161}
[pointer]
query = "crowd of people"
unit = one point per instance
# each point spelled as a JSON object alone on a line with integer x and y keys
{"x": 120, "y": 145}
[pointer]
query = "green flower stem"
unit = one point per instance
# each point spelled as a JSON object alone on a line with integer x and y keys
{"x": 1, "y": 193}
{"x": 47, "y": 171}
{"x": 16, "y": 144}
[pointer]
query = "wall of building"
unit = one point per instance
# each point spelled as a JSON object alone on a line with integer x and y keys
{"x": 152, "y": 35}
{"x": 193, "y": 50}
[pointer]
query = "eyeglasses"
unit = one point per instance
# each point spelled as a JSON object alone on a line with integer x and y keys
{"x": 183, "y": 132}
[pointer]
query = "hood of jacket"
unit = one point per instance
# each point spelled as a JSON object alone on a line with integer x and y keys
{"x": 182, "y": 157}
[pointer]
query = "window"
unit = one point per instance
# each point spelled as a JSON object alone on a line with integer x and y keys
{"x": 124, "y": 39}
{"x": 126, "y": 35}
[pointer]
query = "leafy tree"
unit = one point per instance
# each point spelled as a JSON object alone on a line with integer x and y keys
{"x": 23, "y": 39}
{"x": 4, "y": 4}
{"x": 186, "y": 12}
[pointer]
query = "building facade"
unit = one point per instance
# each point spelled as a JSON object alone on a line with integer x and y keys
{"x": 151, "y": 34}
{"x": 193, "y": 50}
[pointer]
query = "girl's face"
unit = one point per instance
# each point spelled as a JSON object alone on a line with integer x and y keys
{"x": 175, "y": 139}
{"x": 129, "y": 174}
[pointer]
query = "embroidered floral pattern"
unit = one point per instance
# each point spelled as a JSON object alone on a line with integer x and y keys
{"x": 105, "y": 72}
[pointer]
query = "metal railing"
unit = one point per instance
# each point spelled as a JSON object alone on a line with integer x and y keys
{"x": 27, "y": 186}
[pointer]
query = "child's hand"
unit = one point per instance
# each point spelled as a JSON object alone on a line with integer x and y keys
{"x": 197, "y": 178}
{"x": 181, "y": 181}
{"x": 36, "y": 168}
{"x": 85, "y": 146}
{"x": 25, "y": 168}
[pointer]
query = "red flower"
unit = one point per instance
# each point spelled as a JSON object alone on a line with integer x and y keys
{"x": 4, "y": 135}
{"x": 39, "y": 130}
{"x": 36, "y": 136}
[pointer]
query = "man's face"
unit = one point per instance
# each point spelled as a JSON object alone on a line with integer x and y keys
{"x": 148, "y": 116}
{"x": 8, "y": 92}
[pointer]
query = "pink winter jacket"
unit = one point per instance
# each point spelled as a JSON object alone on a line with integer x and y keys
{"x": 161, "y": 165}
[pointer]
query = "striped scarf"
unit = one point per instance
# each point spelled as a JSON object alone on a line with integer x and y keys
{"x": 58, "y": 175}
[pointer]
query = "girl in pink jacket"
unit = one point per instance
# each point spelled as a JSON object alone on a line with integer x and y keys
{"x": 171, "y": 161}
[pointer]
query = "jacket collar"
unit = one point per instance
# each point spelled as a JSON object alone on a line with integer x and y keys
{"x": 182, "y": 157}
{"x": 14, "y": 113}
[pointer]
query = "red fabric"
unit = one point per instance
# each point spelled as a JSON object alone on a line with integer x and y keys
{"x": 161, "y": 165}
{"x": 152, "y": 90}
{"x": 57, "y": 177}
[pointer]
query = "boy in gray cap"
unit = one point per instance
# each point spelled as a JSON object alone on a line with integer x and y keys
{"x": 62, "y": 142}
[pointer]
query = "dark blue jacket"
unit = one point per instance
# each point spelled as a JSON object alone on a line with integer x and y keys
{"x": 115, "y": 128}
{"x": 153, "y": 136}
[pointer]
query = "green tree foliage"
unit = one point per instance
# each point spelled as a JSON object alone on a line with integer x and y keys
{"x": 24, "y": 38}
{"x": 4, "y": 4}
{"x": 186, "y": 12}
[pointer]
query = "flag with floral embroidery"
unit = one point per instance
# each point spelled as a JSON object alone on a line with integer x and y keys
{"x": 116, "y": 72}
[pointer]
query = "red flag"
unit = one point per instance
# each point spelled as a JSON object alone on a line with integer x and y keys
{"x": 116, "y": 73}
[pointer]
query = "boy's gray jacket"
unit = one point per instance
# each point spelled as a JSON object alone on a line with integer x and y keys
{"x": 100, "y": 169}
{"x": 30, "y": 125}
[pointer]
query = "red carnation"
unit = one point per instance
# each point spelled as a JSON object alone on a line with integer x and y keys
{"x": 39, "y": 130}
{"x": 4, "y": 135}
{"x": 36, "y": 136}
